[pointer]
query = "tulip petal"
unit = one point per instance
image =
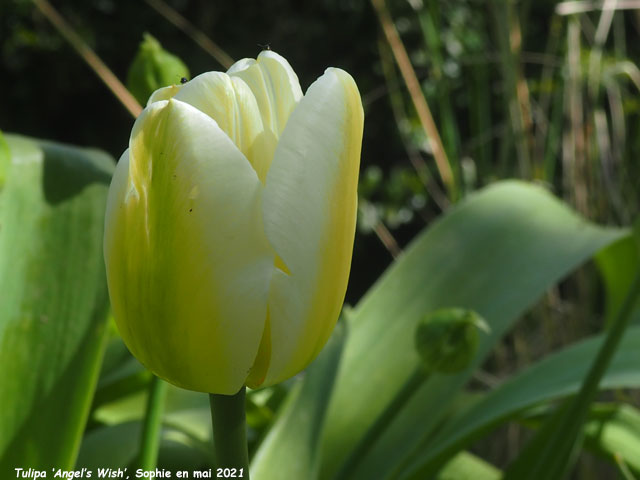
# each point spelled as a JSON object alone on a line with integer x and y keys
{"x": 164, "y": 93}
{"x": 188, "y": 263}
{"x": 275, "y": 86}
{"x": 310, "y": 205}
{"x": 231, "y": 103}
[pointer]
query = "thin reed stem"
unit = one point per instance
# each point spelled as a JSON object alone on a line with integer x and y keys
{"x": 90, "y": 57}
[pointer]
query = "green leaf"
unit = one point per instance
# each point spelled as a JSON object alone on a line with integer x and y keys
{"x": 618, "y": 264}
{"x": 496, "y": 254}
{"x": 553, "y": 450}
{"x": 110, "y": 447}
{"x": 290, "y": 449}
{"x": 465, "y": 466}
{"x": 117, "y": 446}
{"x": 553, "y": 377}
{"x": 614, "y": 430}
{"x": 185, "y": 410}
{"x": 5, "y": 160}
{"x": 54, "y": 299}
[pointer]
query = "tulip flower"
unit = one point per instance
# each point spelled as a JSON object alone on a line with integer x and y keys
{"x": 230, "y": 224}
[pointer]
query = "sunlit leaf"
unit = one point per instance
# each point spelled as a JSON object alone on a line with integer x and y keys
{"x": 54, "y": 299}
{"x": 496, "y": 254}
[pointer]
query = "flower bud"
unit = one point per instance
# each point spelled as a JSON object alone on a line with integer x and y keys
{"x": 153, "y": 68}
{"x": 230, "y": 224}
{"x": 447, "y": 339}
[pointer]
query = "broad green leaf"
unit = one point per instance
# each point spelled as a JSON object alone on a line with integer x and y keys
{"x": 54, "y": 299}
{"x": 553, "y": 450}
{"x": 291, "y": 446}
{"x": 496, "y": 253}
{"x": 555, "y": 376}
{"x": 465, "y": 466}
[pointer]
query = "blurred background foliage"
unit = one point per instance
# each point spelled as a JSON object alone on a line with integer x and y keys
{"x": 543, "y": 91}
{"x": 518, "y": 89}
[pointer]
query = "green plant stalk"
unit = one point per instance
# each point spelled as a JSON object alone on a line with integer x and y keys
{"x": 509, "y": 62}
{"x": 417, "y": 96}
{"x": 553, "y": 138}
{"x": 415, "y": 381}
{"x": 90, "y": 57}
{"x": 553, "y": 450}
{"x": 548, "y": 132}
{"x": 150, "y": 439}
{"x": 480, "y": 121}
{"x": 230, "y": 431}
{"x": 590, "y": 386}
{"x": 429, "y": 23}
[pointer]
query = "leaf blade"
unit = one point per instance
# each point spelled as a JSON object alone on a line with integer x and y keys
{"x": 52, "y": 318}
{"x": 508, "y": 243}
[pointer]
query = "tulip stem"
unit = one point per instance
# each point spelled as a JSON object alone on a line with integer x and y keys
{"x": 230, "y": 432}
{"x": 150, "y": 439}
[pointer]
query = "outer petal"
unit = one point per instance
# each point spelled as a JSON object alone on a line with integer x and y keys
{"x": 164, "y": 93}
{"x": 231, "y": 103}
{"x": 310, "y": 204}
{"x": 275, "y": 86}
{"x": 188, "y": 264}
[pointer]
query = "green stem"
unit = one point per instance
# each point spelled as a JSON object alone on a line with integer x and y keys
{"x": 552, "y": 452}
{"x": 579, "y": 405}
{"x": 376, "y": 430}
{"x": 230, "y": 432}
{"x": 603, "y": 360}
{"x": 150, "y": 441}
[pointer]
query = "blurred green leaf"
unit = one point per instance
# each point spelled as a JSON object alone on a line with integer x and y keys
{"x": 54, "y": 299}
{"x": 553, "y": 450}
{"x": 614, "y": 430}
{"x": 110, "y": 447}
{"x": 290, "y": 449}
{"x": 618, "y": 264}
{"x": 555, "y": 376}
{"x": 183, "y": 409}
{"x": 153, "y": 68}
{"x": 117, "y": 446}
{"x": 465, "y": 466}
{"x": 496, "y": 253}
{"x": 5, "y": 159}
{"x": 121, "y": 374}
